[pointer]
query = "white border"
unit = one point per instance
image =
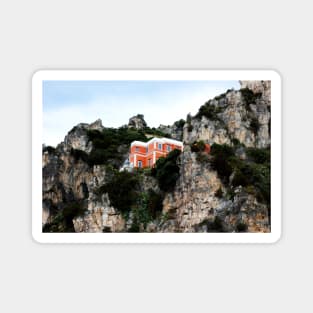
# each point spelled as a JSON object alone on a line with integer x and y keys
{"x": 42, "y": 75}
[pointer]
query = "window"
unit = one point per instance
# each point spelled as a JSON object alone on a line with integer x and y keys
{"x": 150, "y": 162}
{"x": 137, "y": 149}
{"x": 139, "y": 163}
{"x": 159, "y": 146}
{"x": 168, "y": 148}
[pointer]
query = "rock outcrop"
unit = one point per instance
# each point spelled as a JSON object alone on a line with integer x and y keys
{"x": 77, "y": 138}
{"x": 137, "y": 122}
{"x": 194, "y": 206}
{"x": 235, "y": 115}
{"x": 174, "y": 131}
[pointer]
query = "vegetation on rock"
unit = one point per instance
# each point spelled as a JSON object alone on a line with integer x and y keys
{"x": 209, "y": 110}
{"x": 253, "y": 172}
{"x": 249, "y": 97}
{"x": 123, "y": 189}
{"x": 63, "y": 220}
{"x": 198, "y": 146}
{"x": 166, "y": 170}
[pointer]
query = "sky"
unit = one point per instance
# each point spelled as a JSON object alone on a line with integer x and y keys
{"x": 68, "y": 103}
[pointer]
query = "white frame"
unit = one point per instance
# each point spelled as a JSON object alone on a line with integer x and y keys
{"x": 42, "y": 75}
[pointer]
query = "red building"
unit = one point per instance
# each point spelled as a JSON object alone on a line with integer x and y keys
{"x": 145, "y": 154}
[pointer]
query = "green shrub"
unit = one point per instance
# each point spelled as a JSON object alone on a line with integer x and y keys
{"x": 255, "y": 125}
{"x": 63, "y": 220}
{"x": 251, "y": 190}
{"x": 155, "y": 203}
{"x": 241, "y": 227}
{"x": 49, "y": 149}
{"x": 110, "y": 145}
{"x": 249, "y": 96}
{"x": 240, "y": 179}
{"x": 180, "y": 123}
{"x": 201, "y": 145}
{"x": 198, "y": 146}
{"x": 215, "y": 226}
{"x": 222, "y": 95}
{"x": 260, "y": 156}
{"x": 209, "y": 110}
{"x": 221, "y": 161}
{"x": 188, "y": 121}
{"x": 235, "y": 142}
{"x": 123, "y": 190}
{"x": 256, "y": 173}
{"x": 167, "y": 170}
{"x": 156, "y": 132}
{"x": 79, "y": 155}
{"x": 148, "y": 206}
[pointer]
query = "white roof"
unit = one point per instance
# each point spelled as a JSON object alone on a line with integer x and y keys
{"x": 139, "y": 143}
{"x": 160, "y": 140}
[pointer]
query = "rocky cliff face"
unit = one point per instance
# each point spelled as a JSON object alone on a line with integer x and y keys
{"x": 195, "y": 207}
{"x": 242, "y": 115}
{"x": 201, "y": 200}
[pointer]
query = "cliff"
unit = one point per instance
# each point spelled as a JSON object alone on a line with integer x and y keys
{"x": 224, "y": 191}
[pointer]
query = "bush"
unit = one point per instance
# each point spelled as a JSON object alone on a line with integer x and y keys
{"x": 221, "y": 162}
{"x": 167, "y": 170}
{"x": 123, "y": 190}
{"x": 209, "y": 111}
{"x": 156, "y": 132}
{"x": 249, "y": 96}
{"x": 148, "y": 206}
{"x": 260, "y": 156}
{"x": 49, "y": 149}
{"x": 188, "y": 121}
{"x": 215, "y": 226}
{"x": 256, "y": 173}
{"x": 110, "y": 145}
{"x": 155, "y": 203}
{"x": 79, "y": 155}
{"x": 63, "y": 220}
{"x": 222, "y": 95}
{"x": 255, "y": 125}
{"x": 235, "y": 142}
{"x": 241, "y": 227}
{"x": 198, "y": 146}
{"x": 180, "y": 123}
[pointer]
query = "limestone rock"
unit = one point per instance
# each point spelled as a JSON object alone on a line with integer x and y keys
{"x": 137, "y": 122}
{"x": 77, "y": 138}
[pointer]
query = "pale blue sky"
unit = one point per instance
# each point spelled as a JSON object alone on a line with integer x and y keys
{"x": 67, "y": 103}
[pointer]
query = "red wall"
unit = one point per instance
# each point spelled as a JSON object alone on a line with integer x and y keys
{"x": 143, "y": 155}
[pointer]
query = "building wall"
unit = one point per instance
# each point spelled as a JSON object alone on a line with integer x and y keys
{"x": 150, "y": 152}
